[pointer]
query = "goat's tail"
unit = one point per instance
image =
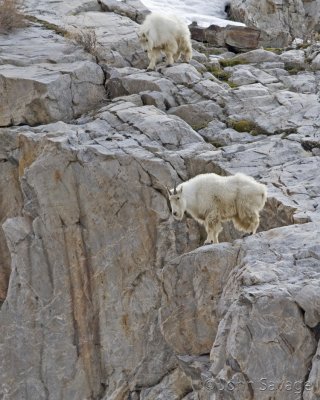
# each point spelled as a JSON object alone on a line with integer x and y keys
{"x": 248, "y": 223}
{"x": 248, "y": 207}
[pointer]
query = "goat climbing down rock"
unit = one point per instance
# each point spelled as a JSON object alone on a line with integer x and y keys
{"x": 212, "y": 199}
{"x": 168, "y": 34}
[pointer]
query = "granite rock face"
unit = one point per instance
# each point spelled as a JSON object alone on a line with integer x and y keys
{"x": 103, "y": 295}
{"x": 46, "y": 78}
{"x": 280, "y": 21}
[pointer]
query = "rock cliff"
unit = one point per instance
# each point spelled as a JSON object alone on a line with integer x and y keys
{"x": 280, "y": 21}
{"x": 103, "y": 295}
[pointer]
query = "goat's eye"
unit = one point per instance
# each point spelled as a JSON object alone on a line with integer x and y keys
{"x": 178, "y": 198}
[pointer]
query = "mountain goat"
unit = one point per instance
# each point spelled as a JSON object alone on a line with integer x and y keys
{"x": 211, "y": 199}
{"x": 165, "y": 33}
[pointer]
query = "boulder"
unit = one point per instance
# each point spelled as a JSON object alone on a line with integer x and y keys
{"x": 49, "y": 92}
{"x": 240, "y": 38}
{"x": 133, "y": 9}
{"x": 198, "y": 115}
{"x": 293, "y": 58}
{"x": 236, "y": 38}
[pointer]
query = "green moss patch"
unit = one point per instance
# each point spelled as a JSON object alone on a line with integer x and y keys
{"x": 274, "y": 50}
{"x": 244, "y": 125}
{"x": 294, "y": 70}
{"x": 219, "y": 73}
{"x": 198, "y": 127}
{"x": 52, "y": 27}
{"x": 231, "y": 62}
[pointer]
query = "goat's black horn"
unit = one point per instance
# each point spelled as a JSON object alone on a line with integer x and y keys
{"x": 175, "y": 188}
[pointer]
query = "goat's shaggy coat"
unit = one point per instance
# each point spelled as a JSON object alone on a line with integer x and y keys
{"x": 211, "y": 199}
{"x": 168, "y": 34}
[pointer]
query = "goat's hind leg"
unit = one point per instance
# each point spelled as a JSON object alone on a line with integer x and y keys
{"x": 255, "y": 221}
{"x": 248, "y": 223}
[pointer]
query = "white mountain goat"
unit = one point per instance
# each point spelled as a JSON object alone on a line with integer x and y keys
{"x": 162, "y": 33}
{"x": 211, "y": 199}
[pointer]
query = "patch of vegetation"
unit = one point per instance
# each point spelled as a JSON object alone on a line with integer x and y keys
{"x": 245, "y": 125}
{"x": 275, "y": 50}
{"x": 309, "y": 145}
{"x": 230, "y": 62}
{"x": 303, "y": 46}
{"x": 232, "y": 85}
{"x": 11, "y": 16}
{"x": 219, "y": 73}
{"x": 294, "y": 70}
{"x": 285, "y": 132}
{"x": 86, "y": 38}
{"x": 222, "y": 75}
{"x": 215, "y": 51}
{"x": 48, "y": 25}
{"x": 199, "y": 126}
{"x": 218, "y": 145}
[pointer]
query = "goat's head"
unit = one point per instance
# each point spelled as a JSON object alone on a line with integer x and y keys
{"x": 144, "y": 40}
{"x": 177, "y": 202}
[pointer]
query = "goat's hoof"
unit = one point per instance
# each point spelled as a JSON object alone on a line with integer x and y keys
{"x": 245, "y": 235}
{"x": 206, "y": 243}
{"x": 169, "y": 65}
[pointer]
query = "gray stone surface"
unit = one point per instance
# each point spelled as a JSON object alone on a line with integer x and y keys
{"x": 134, "y": 9}
{"x": 198, "y": 115}
{"x": 293, "y": 58}
{"x": 264, "y": 317}
{"x": 49, "y": 92}
{"x": 116, "y": 36}
{"x": 103, "y": 295}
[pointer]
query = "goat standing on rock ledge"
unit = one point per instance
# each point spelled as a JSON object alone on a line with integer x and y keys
{"x": 168, "y": 34}
{"x": 212, "y": 199}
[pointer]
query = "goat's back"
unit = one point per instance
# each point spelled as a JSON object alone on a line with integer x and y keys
{"x": 161, "y": 28}
{"x": 251, "y": 194}
{"x": 205, "y": 188}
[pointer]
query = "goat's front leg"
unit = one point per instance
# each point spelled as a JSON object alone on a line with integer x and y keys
{"x": 177, "y": 56}
{"x": 153, "y": 56}
{"x": 169, "y": 59}
{"x": 170, "y": 51}
{"x": 213, "y": 227}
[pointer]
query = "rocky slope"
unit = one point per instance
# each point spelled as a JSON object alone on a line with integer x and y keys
{"x": 104, "y": 295}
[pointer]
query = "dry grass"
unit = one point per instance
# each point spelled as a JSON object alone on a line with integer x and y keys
{"x": 11, "y": 16}
{"x": 86, "y": 38}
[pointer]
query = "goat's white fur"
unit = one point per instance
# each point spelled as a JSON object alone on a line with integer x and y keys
{"x": 211, "y": 199}
{"x": 165, "y": 33}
